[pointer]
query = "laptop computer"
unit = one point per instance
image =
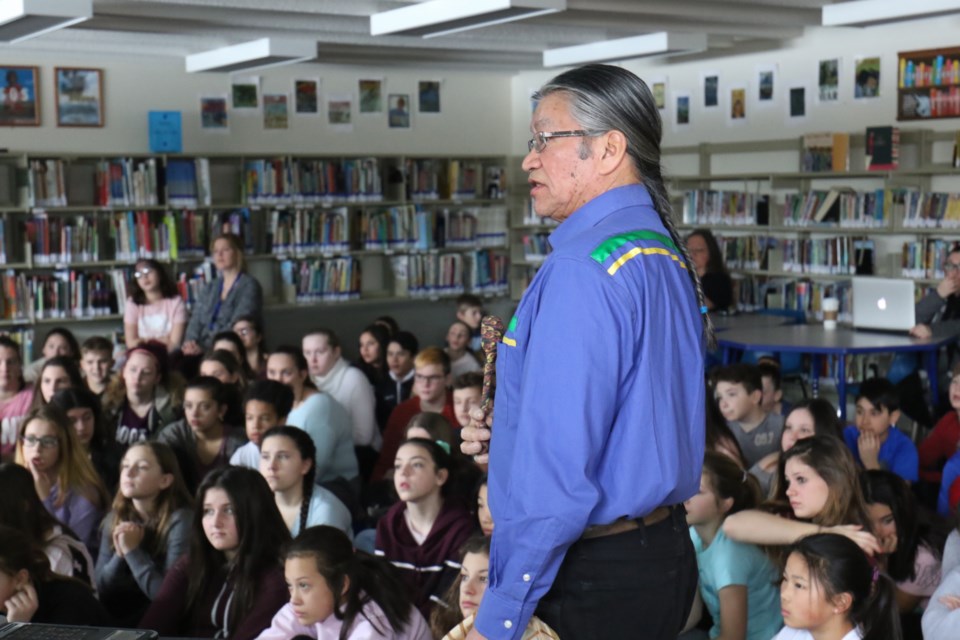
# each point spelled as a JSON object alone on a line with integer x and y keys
{"x": 29, "y": 631}
{"x": 883, "y": 304}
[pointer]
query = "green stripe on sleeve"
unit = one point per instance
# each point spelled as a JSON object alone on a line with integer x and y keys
{"x": 606, "y": 248}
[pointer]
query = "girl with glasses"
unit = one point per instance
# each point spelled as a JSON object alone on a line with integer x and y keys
{"x": 63, "y": 476}
{"x": 154, "y": 309}
{"x": 250, "y": 331}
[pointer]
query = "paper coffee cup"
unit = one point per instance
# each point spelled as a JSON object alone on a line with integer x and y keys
{"x": 831, "y": 309}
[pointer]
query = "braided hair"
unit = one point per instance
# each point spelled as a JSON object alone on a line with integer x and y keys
{"x": 308, "y": 451}
{"x": 606, "y": 98}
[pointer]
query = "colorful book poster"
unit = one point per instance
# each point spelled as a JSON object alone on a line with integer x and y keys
{"x": 306, "y": 97}
{"x": 371, "y": 96}
{"x": 866, "y": 78}
{"x": 339, "y": 112}
{"x": 275, "y": 113}
{"x": 245, "y": 93}
{"x": 829, "y": 80}
{"x": 213, "y": 113}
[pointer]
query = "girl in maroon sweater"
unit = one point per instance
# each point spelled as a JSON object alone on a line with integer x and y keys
{"x": 422, "y": 534}
{"x": 231, "y": 583}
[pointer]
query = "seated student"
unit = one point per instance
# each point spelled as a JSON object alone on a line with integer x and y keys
{"x": 230, "y": 341}
{"x": 772, "y": 400}
{"x": 339, "y": 592}
{"x": 467, "y": 391}
{"x": 875, "y": 442}
{"x": 58, "y": 372}
{"x": 20, "y": 508}
{"x": 201, "y": 440}
{"x": 421, "y": 534}
{"x": 288, "y": 462}
{"x": 141, "y": 400}
{"x": 470, "y": 313}
{"x": 911, "y": 542}
{"x": 83, "y": 412}
{"x": 708, "y": 261}
{"x": 31, "y": 592}
{"x": 484, "y": 517}
{"x": 16, "y": 396}
{"x": 266, "y": 406}
{"x": 736, "y": 579}
{"x": 829, "y": 591}
{"x": 145, "y": 533}
{"x": 818, "y": 491}
{"x": 372, "y": 345}
{"x": 397, "y": 385}
{"x": 464, "y": 596}
{"x": 59, "y": 341}
{"x": 806, "y": 419}
{"x": 231, "y": 295}
{"x": 433, "y": 426}
{"x": 739, "y": 391}
{"x": 154, "y": 308}
{"x": 719, "y": 437}
{"x": 347, "y": 385}
{"x": 432, "y": 377}
{"x": 942, "y": 443}
{"x": 63, "y": 476}
{"x": 222, "y": 365}
{"x": 96, "y": 361}
{"x": 230, "y": 584}
{"x": 250, "y": 331}
{"x": 938, "y": 313}
{"x": 462, "y": 359}
{"x": 390, "y": 324}
{"x": 322, "y": 418}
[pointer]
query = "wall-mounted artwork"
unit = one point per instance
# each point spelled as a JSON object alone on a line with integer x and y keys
{"x": 79, "y": 97}
{"x": 19, "y": 97}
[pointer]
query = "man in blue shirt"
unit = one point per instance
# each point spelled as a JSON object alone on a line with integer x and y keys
{"x": 599, "y": 417}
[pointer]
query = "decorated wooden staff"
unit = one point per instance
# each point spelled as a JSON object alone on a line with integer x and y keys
{"x": 491, "y": 333}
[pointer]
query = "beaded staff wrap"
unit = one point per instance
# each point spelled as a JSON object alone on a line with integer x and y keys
{"x": 491, "y": 333}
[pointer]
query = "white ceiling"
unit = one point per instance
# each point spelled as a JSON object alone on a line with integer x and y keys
{"x": 341, "y": 29}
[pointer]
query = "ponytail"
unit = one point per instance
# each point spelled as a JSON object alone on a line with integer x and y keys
{"x": 879, "y": 617}
{"x": 731, "y": 481}
{"x": 370, "y": 579}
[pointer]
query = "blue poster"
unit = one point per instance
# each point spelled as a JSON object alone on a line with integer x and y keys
{"x": 166, "y": 132}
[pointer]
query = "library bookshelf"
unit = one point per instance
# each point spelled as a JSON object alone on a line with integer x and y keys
{"x": 318, "y": 230}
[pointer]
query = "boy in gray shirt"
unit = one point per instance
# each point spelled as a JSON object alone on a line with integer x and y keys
{"x": 739, "y": 392}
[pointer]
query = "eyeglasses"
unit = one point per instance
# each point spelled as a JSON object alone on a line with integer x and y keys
{"x": 539, "y": 139}
{"x": 951, "y": 267}
{"x": 46, "y": 442}
{"x": 429, "y": 379}
{"x": 142, "y": 272}
{"x": 244, "y": 332}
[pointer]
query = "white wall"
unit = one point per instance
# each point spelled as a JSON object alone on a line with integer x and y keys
{"x": 475, "y": 107}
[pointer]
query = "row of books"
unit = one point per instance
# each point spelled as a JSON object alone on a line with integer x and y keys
{"x": 321, "y": 280}
{"x": 412, "y": 226}
{"x": 46, "y": 183}
{"x": 428, "y": 275}
{"x": 64, "y": 239}
{"x": 931, "y": 210}
{"x": 829, "y": 256}
{"x": 188, "y": 182}
{"x": 804, "y": 296}
{"x": 67, "y": 293}
{"x": 284, "y": 180}
{"x": 746, "y": 252}
{"x": 707, "y": 206}
{"x": 935, "y": 72}
{"x": 925, "y": 258}
{"x": 842, "y": 206}
{"x": 825, "y": 152}
{"x": 536, "y": 246}
{"x": 302, "y": 231}
{"x": 488, "y": 273}
{"x": 126, "y": 182}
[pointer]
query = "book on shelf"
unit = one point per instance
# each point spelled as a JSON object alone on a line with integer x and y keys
{"x": 746, "y": 252}
{"x": 536, "y": 247}
{"x": 868, "y": 209}
{"x": 829, "y": 209}
{"x": 422, "y": 178}
{"x": 321, "y": 280}
{"x": 825, "y": 152}
{"x": 71, "y": 293}
{"x": 237, "y": 222}
{"x": 488, "y": 272}
{"x": 62, "y": 240}
{"x": 707, "y": 206}
{"x": 306, "y": 231}
{"x": 925, "y": 258}
{"x": 882, "y": 148}
{"x": 428, "y": 275}
{"x": 930, "y": 210}
{"x": 125, "y": 182}
{"x": 188, "y": 182}
{"x": 388, "y": 228}
{"x": 46, "y": 185}
{"x": 827, "y": 256}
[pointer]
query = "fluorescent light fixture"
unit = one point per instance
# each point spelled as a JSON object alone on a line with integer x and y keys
{"x": 256, "y": 54}
{"x": 654, "y": 44}
{"x": 870, "y": 12}
{"x": 442, "y": 17}
{"x": 25, "y": 19}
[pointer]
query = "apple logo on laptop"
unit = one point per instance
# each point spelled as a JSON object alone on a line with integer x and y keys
{"x": 882, "y": 304}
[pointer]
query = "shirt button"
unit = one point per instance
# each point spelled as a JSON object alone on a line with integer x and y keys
{"x": 526, "y": 577}
{"x": 507, "y": 624}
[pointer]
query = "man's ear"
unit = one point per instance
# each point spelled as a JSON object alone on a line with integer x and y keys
{"x": 612, "y": 150}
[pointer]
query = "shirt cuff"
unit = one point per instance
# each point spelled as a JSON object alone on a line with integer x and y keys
{"x": 500, "y": 618}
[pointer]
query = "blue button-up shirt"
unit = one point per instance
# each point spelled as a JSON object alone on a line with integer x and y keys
{"x": 600, "y": 398}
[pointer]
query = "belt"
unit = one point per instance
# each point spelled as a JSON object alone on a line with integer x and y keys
{"x": 623, "y": 525}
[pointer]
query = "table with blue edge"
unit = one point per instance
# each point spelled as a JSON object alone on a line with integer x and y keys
{"x": 818, "y": 342}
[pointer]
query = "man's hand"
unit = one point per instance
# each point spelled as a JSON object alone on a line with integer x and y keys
{"x": 869, "y": 446}
{"x": 921, "y": 331}
{"x": 476, "y": 436}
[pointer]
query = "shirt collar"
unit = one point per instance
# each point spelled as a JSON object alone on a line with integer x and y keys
{"x": 596, "y": 211}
